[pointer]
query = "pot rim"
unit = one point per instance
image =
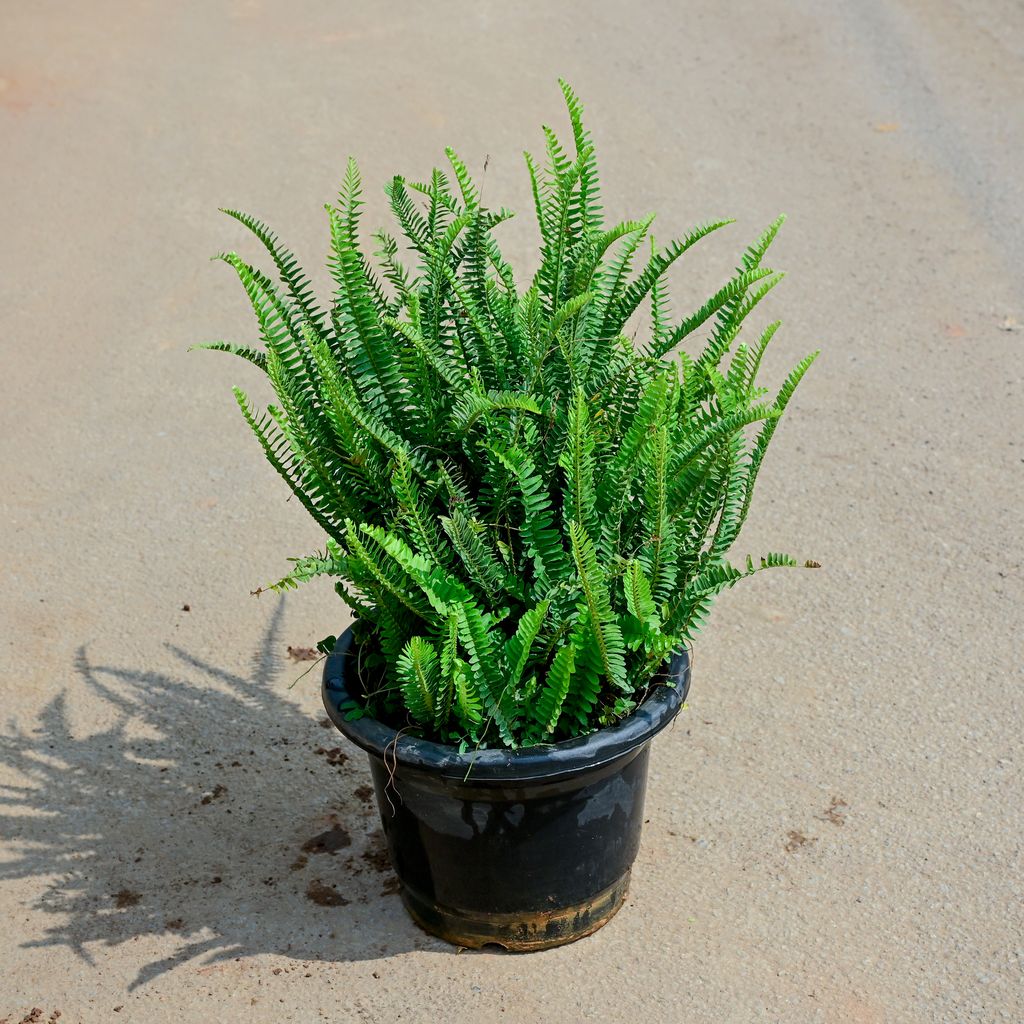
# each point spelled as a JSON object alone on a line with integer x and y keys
{"x": 543, "y": 762}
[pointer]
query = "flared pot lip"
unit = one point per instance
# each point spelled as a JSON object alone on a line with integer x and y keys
{"x": 546, "y": 762}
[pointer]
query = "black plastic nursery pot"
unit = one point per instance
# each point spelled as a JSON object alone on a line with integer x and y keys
{"x": 525, "y": 849}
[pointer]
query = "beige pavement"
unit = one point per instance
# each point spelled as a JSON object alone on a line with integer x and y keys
{"x": 835, "y": 824}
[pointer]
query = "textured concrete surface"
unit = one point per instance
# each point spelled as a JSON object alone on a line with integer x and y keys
{"x": 835, "y": 824}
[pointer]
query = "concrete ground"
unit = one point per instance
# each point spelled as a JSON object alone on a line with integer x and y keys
{"x": 835, "y": 823}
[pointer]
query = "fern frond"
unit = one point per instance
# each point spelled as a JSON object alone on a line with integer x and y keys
{"x": 391, "y": 575}
{"x": 548, "y": 708}
{"x": 391, "y": 266}
{"x": 614, "y": 280}
{"x": 755, "y": 253}
{"x": 480, "y": 562}
{"x": 578, "y": 463}
{"x": 412, "y": 222}
{"x": 295, "y": 280}
{"x": 472, "y": 405}
{"x": 659, "y": 306}
{"x": 589, "y": 197}
{"x": 617, "y": 476}
{"x": 637, "y": 589}
{"x": 419, "y": 673}
{"x": 568, "y": 311}
{"x": 470, "y": 194}
{"x": 304, "y": 569}
{"x": 657, "y": 266}
{"x": 273, "y": 443}
{"x": 254, "y": 356}
{"x": 420, "y": 520}
{"x": 350, "y": 203}
{"x": 730, "y": 291}
{"x": 485, "y": 660}
{"x": 542, "y": 540}
{"x": 660, "y": 550}
{"x": 606, "y": 632}
{"x": 374, "y": 363}
{"x": 519, "y": 645}
{"x": 277, "y": 327}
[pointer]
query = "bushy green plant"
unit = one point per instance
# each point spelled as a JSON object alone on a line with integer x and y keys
{"x": 526, "y": 510}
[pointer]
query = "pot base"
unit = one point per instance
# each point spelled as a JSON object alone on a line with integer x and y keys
{"x": 518, "y": 933}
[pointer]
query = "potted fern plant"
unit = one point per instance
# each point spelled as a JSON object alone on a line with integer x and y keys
{"x": 528, "y": 513}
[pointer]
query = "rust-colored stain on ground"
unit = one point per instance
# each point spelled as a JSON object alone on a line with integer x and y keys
{"x": 324, "y": 896}
{"x": 795, "y": 840}
{"x": 377, "y": 858}
{"x": 20, "y": 92}
{"x": 331, "y": 841}
{"x": 835, "y": 813}
{"x": 335, "y": 755}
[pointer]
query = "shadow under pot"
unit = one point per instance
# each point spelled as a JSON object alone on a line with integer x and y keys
{"x": 525, "y": 849}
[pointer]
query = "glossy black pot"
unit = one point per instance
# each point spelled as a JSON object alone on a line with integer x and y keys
{"x": 525, "y": 849}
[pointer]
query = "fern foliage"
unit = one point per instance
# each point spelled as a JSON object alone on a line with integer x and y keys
{"x": 527, "y": 509}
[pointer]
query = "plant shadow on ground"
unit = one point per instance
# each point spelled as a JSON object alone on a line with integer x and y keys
{"x": 212, "y": 810}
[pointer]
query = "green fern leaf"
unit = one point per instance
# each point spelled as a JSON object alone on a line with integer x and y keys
{"x": 605, "y": 629}
{"x": 579, "y": 464}
{"x": 735, "y": 288}
{"x": 588, "y": 202}
{"x": 656, "y": 268}
{"x": 548, "y": 708}
{"x": 472, "y": 405}
{"x": 543, "y": 543}
{"x": 419, "y": 673}
{"x": 519, "y": 645}
{"x": 298, "y": 285}
{"x": 637, "y": 589}
{"x": 485, "y": 661}
{"x": 480, "y": 562}
{"x": 273, "y": 443}
{"x": 257, "y": 358}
